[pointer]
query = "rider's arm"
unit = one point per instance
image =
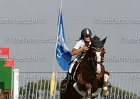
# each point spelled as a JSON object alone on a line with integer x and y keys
{"x": 78, "y": 48}
{"x": 76, "y": 51}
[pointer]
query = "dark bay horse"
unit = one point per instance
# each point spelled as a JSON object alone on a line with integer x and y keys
{"x": 88, "y": 81}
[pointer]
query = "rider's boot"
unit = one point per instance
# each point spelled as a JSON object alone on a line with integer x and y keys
{"x": 64, "y": 84}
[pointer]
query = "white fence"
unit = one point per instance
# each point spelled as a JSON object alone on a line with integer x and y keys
{"x": 35, "y": 85}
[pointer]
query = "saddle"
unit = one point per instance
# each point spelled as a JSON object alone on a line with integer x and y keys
{"x": 76, "y": 66}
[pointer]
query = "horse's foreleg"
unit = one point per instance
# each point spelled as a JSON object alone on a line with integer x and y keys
{"x": 105, "y": 85}
{"x": 97, "y": 92}
{"x": 89, "y": 94}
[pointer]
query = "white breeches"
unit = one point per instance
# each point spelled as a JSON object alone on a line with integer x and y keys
{"x": 71, "y": 65}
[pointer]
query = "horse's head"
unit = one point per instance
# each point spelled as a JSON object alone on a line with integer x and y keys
{"x": 97, "y": 52}
{"x": 97, "y": 49}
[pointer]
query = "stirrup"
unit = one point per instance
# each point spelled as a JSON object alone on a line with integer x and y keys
{"x": 63, "y": 88}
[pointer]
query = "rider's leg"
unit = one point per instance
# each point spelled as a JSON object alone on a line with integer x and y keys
{"x": 69, "y": 77}
{"x": 71, "y": 69}
{"x": 65, "y": 82}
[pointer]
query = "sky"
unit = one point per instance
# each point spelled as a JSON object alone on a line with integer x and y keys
{"x": 29, "y": 29}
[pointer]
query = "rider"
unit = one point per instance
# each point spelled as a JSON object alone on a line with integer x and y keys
{"x": 80, "y": 47}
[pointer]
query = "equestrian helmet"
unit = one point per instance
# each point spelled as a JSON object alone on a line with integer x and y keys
{"x": 86, "y": 32}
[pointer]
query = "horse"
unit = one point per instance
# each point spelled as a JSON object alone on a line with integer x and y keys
{"x": 88, "y": 82}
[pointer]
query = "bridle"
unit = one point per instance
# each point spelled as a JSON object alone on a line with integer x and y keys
{"x": 97, "y": 50}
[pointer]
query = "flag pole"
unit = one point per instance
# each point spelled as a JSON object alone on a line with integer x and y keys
{"x": 60, "y": 10}
{"x": 53, "y": 77}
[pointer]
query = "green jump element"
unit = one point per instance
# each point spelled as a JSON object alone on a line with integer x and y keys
{"x": 5, "y": 76}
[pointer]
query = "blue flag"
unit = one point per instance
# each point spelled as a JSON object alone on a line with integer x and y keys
{"x": 63, "y": 54}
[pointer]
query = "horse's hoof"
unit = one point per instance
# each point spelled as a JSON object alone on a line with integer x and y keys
{"x": 106, "y": 93}
{"x": 89, "y": 96}
{"x": 105, "y": 88}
